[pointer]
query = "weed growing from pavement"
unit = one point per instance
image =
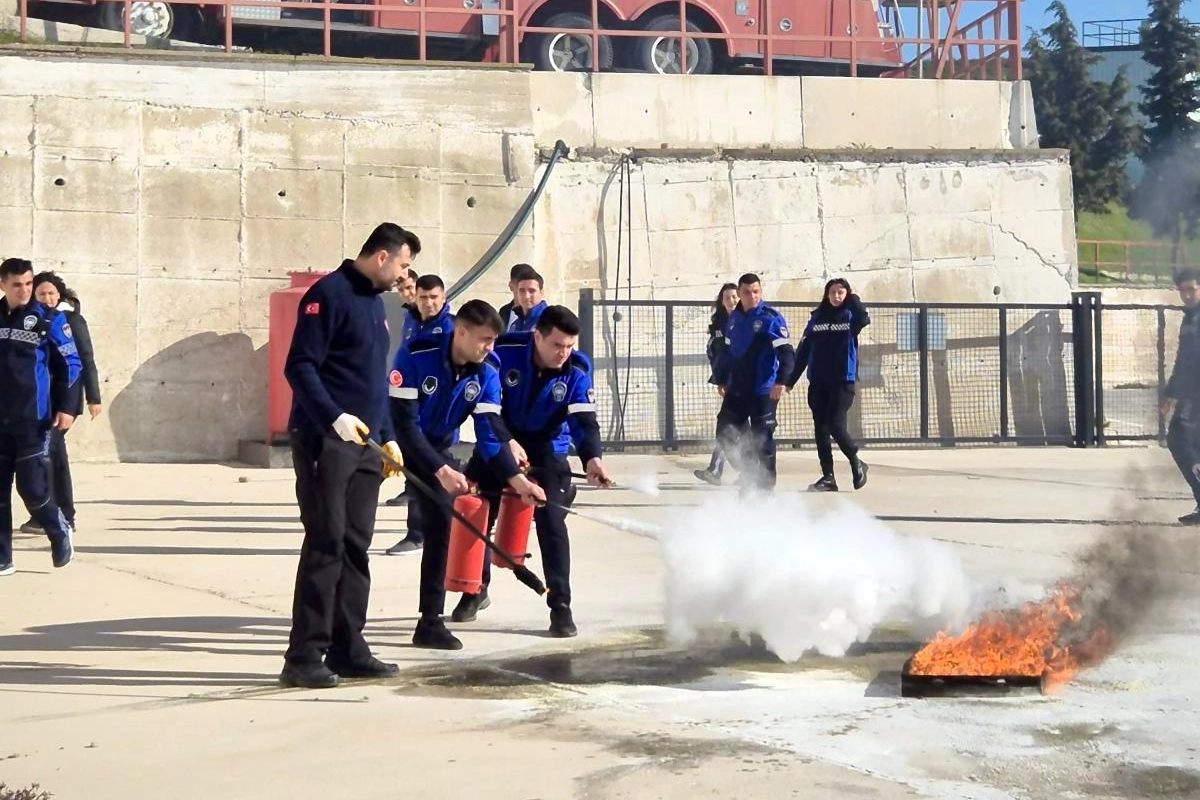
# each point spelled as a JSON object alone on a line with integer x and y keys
{"x": 32, "y": 793}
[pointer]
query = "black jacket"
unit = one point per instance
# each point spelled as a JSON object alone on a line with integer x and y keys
{"x": 338, "y": 359}
{"x": 1185, "y": 377}
{"x": 829, "y": 349}
{"x": 90, "y": 377}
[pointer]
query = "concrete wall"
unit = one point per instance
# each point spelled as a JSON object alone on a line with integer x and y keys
{"x": 175, "y": 193}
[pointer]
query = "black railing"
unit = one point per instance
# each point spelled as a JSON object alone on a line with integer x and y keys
{"x": 1079, "y": 373}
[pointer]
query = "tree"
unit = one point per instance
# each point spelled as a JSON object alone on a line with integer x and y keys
{"x": 1090, "y": 118}
{"x": 1168, "y": 196}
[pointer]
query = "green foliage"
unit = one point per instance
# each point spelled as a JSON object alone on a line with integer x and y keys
{"x": 1168, "y": 196}
{"x": 1089, "y": 118}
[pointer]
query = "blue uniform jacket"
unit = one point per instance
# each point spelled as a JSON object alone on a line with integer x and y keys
{"x": 431, "y": 398}
{"x": 829, "y": 350}
{"x": 412, "y": 321}
{"x": 39, "y": 365}
{"x": 546, "y": 409}
{"x": 338, "y": 355}
{"x": 757, "y": 354}
{"x": 528, "y": 321}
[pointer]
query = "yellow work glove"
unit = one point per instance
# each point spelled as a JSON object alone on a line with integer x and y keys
{"x": 392, "y": 470}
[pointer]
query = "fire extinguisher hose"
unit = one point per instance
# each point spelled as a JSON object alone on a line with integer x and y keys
{"x": 524, "y": 574}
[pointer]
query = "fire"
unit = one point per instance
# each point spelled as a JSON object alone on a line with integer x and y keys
{"x": 1051, "y": 639}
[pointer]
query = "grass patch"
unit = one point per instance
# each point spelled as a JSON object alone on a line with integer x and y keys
{"x": 1148, "y": 258}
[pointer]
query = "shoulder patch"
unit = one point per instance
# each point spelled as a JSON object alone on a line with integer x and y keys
{"x": 783, "y": 331}
{"x": 430, "y": 384}
{"x": 30, "y": 322}
{"x": 472, "y": 391}
{"x": 67, "y": 330}
{"x": 311, "y": 309}
{"x": 512, "y": 377}
{"x": 395, "y": 378}
{"x": 758, "y": 325}
{"x": 559, "y": 391}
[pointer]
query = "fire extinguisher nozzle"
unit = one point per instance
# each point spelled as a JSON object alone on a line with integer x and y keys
{"x": 528, "y": 577}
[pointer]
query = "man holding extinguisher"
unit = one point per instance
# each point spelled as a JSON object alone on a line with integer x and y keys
{"x": 547, "y": 405}
{"x": 434, "y": 385}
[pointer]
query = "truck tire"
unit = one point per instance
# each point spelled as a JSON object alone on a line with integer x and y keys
{"x": 566, "y": 52}
{"x": 152, "y": 18}
{"x": 661, "y": 54}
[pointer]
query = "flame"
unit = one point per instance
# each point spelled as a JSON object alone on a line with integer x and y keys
{"x": 1050, "y": 639}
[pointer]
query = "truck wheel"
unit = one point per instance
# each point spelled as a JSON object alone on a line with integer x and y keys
{"x": 661, "y": 54}
{"x": 151, "y": 18}
{"x": 569, "y": 52}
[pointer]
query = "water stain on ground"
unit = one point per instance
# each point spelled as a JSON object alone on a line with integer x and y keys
{"x": 1151, "y": 782}
{"x": 648, "y": 661}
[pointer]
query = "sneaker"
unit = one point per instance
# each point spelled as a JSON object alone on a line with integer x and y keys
{"x": 711, "y": 478}
{"x": 307, "y": 676}
{"x": 470, "y": 605}
{"x": 562, "y": 625}
{"x": 860, "y": 473}
{"x": 32, "y": 526}
{"x": 1191, "y": 519}
{"x": 431, "y": 632}
{"x": 370, "y": 669}
{"x": 827, "y": 483}
{"x": 404, "y": 547}
{"x": 62, "y": 550}
{"x": 7, "y": 568}
{"x": 399, "y": 500}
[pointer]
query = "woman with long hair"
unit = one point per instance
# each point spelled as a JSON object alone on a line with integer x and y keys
{"x": 52, "y": 292}
{"x": 829, "y": 351}
{"x": 723, "y": 306}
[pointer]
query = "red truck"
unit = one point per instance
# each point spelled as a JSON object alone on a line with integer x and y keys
{"x": 455, "y": 35}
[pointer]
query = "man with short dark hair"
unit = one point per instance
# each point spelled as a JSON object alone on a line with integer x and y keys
{"x": 39, "y": 390}
{"x": 336, "y": 368}
{"x": 1182, "y": 394}
{"x": 530, "y": 302}
{"x": 508, "y": 312}
{"x": 547, "y": 404}
{"x": 750, "y": 375}
{"x": 437, "y": 383}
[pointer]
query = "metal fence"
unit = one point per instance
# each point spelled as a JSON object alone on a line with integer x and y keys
{"x": 1077, "y": 374}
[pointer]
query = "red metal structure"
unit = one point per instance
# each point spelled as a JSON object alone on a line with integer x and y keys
{"x": 284, "y": 308}
{"x": 954, "y": 38}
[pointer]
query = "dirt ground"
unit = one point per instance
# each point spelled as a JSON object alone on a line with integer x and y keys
{"x": 148, "y": 667}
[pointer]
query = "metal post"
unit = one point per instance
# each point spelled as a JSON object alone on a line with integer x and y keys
{"x": 1085, "y": 388}
{"x": 920, "y": 34}
{"x": 669, "y": 378}
{"x": 853, "y": 40}
{"x": 1095, "y": 309}
{"x": 1003, "y": 325}
{"x": 1162, "y": 371}
{"x": 923, "y": 349}
{"x": 587, "y": 322}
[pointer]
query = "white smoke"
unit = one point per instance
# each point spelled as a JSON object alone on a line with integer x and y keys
{"x": 801, "y": 578}
{"x": 646, "y": 483}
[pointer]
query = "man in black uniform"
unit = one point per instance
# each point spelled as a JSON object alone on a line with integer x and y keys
{"x": 39, "y": 389}
{"x": 1182, "y": 394}
{"x": 337, "y": 367}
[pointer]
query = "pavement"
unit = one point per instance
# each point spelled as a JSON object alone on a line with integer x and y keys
{"x": 148, "y": 667}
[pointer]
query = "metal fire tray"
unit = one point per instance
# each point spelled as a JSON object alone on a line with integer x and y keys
{"x": 967, "y": 685}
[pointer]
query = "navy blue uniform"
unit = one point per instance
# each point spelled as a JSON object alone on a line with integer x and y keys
{"x": 829, "y": 352}
{"x": 545, "y": 411}
{"x": 39, "y": 373}
{"x": 1183, "y": 434}
{"x": 336, "y": 364}
{"x": 430, "y": 400}
{"x": 526, "y": 321}
{"x": 757, "y": 356}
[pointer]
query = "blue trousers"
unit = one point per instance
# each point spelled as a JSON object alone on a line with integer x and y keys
{"x": 25, "y": 457}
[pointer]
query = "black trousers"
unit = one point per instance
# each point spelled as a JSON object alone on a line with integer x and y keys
{"x": 553, "y": 474}
{"x": 756, "y": 414}
{"x": 435, "y": 527}
{"x": 416, "y": 531}
{"x": 60, "y": 477}
{"x": 829, "y": 405}
{"x": 1183, "y": 440}
{"x": 25, "y": 458}
{"x": 337, "y": 487}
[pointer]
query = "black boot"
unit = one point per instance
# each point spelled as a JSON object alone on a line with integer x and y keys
{"x": 369, "y": 669}
{"x": 431, "y": 632}
{"x": 307, "y": 676}
{"x": 859, "y": 468}
{"x": 827, "y": 483}
{"x": 470, "y": 605}
{"x": 562, "y": 624}
{"x": 1192, "y": 518}
{"x": 708, "y": 476}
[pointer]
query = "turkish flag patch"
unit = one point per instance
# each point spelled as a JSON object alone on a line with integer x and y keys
{"x": 312, "y": 308}
{"x": 395, "y": 378}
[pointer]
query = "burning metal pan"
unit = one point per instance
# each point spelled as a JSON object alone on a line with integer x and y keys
{"x": 967, "y": 685}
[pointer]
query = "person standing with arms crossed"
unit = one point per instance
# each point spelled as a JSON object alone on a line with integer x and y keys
{"x": 434, "y": 386}
{"x": 1181, "y": 399}
{"x": 750, "y": 375}
{"x": 337, "y": 369}
{"x": 547, "y": 404}
{"x": 39, "y": 390}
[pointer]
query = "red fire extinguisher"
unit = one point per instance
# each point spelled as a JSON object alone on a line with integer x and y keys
{"x": 512, "y": 529}
{"x": 464, "y": 562}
